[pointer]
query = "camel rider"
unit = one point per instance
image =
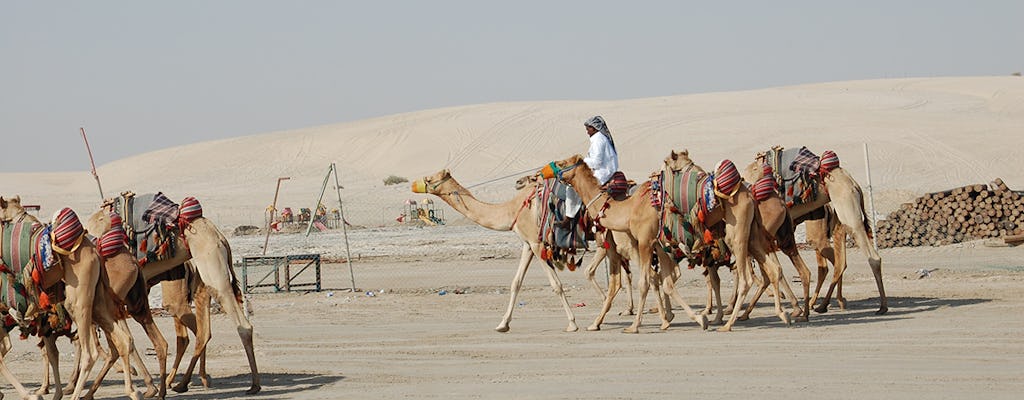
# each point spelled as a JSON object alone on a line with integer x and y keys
{"x": 602, "y": 158}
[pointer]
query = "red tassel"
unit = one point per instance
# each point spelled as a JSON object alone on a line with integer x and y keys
{"x": 708, "y": 238}
{"x": 544, "y": 255}
{"x": 44, "y": 300}
{"x": 37, "y": 276}
{"x": 142, "y": 246}
{"x": 606, "y": 245}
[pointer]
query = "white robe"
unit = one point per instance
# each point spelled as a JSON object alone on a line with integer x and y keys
{"x": 603, "y": 160}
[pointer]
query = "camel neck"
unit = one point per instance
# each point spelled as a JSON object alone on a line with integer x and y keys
{"x": 496, "y": 216}
{"x": 616, "y": 216}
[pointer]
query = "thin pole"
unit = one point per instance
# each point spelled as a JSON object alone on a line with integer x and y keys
{"x": 323, "y": 189}
{"x": 273, "y": 209}
{"x": 92, "y": 163}
{"x": 344, "y": 227}
{"x": 871, "y": 196}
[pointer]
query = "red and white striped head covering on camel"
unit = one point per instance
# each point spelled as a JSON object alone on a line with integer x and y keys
{"x": 829, "y": 162}
{"x": 727, "y": 179}
{"x": 67, "y": 231}
{"x": 189, "y": 211}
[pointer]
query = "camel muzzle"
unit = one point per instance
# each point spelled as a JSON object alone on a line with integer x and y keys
{"x": 419, "y": 186}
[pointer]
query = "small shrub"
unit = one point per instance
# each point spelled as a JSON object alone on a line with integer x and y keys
{"x": 1015, "y": 74}
{"x": 394, "y": 180}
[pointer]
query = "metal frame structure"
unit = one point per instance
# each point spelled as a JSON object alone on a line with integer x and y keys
{"x": 277, "y": 264}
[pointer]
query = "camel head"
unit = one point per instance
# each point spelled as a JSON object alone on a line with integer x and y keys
{"x": 431, "y": 184}
{"x": 565, "y": 169}
{"x": 99, "y": 222}
{"x": 679, "y": 160}
{"x": 11, "y": 208}
{"x": 755, "y": 170}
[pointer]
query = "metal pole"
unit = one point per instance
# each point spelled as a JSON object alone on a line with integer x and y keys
{"x": 273, "y": 209}
{"x": 92, "y": 163}
{"x": 323, "y": 189}
{"x": 871, "y": 196}
{"x": 344, "y": 227}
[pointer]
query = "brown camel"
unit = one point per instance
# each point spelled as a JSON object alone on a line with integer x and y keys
{"x": 846, "y": 198}
{"x": 209, "y": 254}
{"x": 620, "y": 241}
{"x": 776, "y": 220}
{"x": 520, "y": 214}
{"x": 635, "y": 217}
{"x": 127, "y": 285}
{"x": 88, "y": 302}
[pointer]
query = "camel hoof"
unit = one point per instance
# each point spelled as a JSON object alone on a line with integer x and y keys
{"x": 572, "y": 328}
{"x": 743, "y": 317}
{"x": 205, "y": 379}
{"x": 842, "y": 303}
{"x": 665, "y": 325}
{"x": 798, "y": 315}
{"x": 882, "y": 311}
{"x": 150, "y": 393}
{"x": 717, "y": 321}
{"x": 502, "y": 328}
{"x": 181, "y": 387}
{"x": 631, "y": 329}
{"x": 702, "y": 320}
{"x": 41, "y": 391}
{"x": 33, "y": 397}
{"x": 254, "y": 389}
{"x": 627, "y": 312}
{"x": 725, "y": 329}
{"x": 134, "y": 395}
{"x": 785, "y": 318}
{"x": 821, "y": 309}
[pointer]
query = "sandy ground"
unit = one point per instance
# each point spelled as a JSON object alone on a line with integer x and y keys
{"x": 953, "y": 334}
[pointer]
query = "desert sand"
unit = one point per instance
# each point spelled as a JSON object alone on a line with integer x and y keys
{"x": 953, "y": 329}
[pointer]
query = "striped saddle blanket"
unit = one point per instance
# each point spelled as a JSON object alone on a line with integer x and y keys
{"x": 149, "y": 222}
{"x": 796, "y": 173}
{"x": 560, "y": 235}
{"x": 688, "y": 197}
{"x": 25, "y": 247}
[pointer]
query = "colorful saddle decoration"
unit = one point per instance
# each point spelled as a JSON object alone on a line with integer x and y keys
{"x": 799, "y": 172}
{"x": 561, "y": 236}
{"x": 25, "y": 253}
{"x": 153, "y": 222}
{"x": 685, "y": 199}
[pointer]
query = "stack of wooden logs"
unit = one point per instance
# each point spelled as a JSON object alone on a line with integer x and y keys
{"x": 962, "y": 214}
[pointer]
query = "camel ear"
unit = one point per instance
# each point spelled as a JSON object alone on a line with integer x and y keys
{"x": 446, "y": 172}
{"x": 674, "y": 155}
{"x": 685, "y": 152}
{"x": 3, "y": 202}
{"x": 16, "y": 198}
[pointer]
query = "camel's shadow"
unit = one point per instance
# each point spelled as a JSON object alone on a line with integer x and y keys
{"x": 857, "y": 312}
{"x": 275, "y": 385}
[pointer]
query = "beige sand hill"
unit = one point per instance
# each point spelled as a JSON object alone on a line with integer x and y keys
{"x": 924, "y": 134}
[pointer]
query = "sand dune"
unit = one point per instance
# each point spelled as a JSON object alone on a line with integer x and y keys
{"x": 924, "y": 134}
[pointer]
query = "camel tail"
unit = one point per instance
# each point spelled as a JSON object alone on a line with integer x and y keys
{"x": 235, "y": 285}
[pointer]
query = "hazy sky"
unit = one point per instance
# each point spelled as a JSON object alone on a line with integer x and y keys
{"x": 141, "y": 76}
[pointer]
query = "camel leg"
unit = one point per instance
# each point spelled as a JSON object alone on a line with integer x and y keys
{"x": 643, "y": 256}
{"x": 181, "y": 342}
{"x": 6, "y": 372}
{"x": 805, "y": 281}
{"x": 850, "y": 211}
{"x": 53, "y": 361}
{"x": 517, "y": 284}
{"x": 81, "y": 297}
{"x": 715, "y": 287}
{"x": 823, "y": 256}
{"x": 599, "y": 256}
{"x": 202, "y": 315}
{"x": 630, "y": 309}
{"x": 160, "y": 346}
{"x": 556, "y": 285}
{"x": 669, "y": 287}
{"x": 737, "y": 236}
{"x": 214, "y": 266}
{"x": 614, "y": 285}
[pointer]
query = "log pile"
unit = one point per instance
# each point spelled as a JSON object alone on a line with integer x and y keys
{"x": 962, "y": 214}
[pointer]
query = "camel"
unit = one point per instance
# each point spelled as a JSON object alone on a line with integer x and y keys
{"x": 846, "y": 198}
{"x": 776, "y": 220}
{"x": 209, "y": 255}
{"x": 519, "y": 214}
{"x": 635, "y": 217}
{"x": 620, "y": 245}
{"x": 88, "y": 302}
{"x": 126, "y": 283}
